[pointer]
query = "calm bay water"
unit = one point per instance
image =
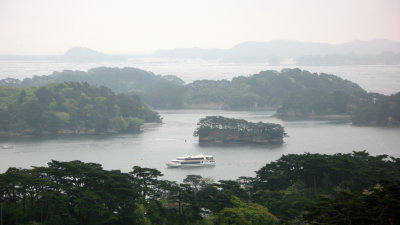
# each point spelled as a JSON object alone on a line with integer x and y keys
{"x": 158, "y": 144}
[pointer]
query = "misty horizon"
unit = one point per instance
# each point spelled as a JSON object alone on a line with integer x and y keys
{"x": 209, "y": 48}
{"x": 46, "y": 27}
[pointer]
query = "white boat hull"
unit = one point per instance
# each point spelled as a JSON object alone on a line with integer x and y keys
{"x": 175, "y": 165}
{"x": 5, "y": 146}
{"x": 192, "y": 161}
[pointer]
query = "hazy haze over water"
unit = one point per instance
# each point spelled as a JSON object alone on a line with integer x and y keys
{"x": 136, "y": 26}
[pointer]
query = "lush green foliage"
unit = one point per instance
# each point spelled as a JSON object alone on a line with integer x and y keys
{"x": 289, "y": 184}
{"x": 339, "y": 170}
{"x": 317, "y": 102}
{"x": 294, "y": 92}
{"x": 378, "y": 109}
{"x": 377, "y": 205}
{"x": 351, "y": 188}
{"x": 123, "y": 80}
{"x": 83, "y": 193}
{"x": 219, "y": 128}
{"x": 70, "y": 108}
{"x": 161, "y": 91}
{"x": 266, "y": 89}
{"x": 364, "y": 108}
{"x": 243, "y": 214}
{"x": 75, "y": 193}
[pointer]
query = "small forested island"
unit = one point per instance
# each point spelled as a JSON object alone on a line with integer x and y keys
{"x": 363, "y": 109}
{"x": 219, "y": 129}
{"x": 352, "y": 188}
{"x": 70, "y": 108}
{"x": 377, "y": 110}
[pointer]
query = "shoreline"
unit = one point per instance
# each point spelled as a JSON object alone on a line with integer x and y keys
{"x": 333, "y": 117}
{"x": 71, "y": 133}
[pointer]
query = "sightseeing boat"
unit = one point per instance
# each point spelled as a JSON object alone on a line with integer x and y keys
{"x": 194, "y": 160}
{"x": 6, "y": 146}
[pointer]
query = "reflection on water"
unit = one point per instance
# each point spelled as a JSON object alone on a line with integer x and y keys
{"x": 158, "y": 144}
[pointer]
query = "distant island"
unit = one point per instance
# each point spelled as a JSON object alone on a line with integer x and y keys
{"x": 350, "y": 59}
{"x": 82, "y": 54}
{"x": 74, "y": 54}
{"x": 70, "y": 108}
{"x": 218, "y": 129}
{"x": 362, "y": 108}
{"x": 264, "y": 90}
{"x": 276, "y": 52}
{"x": 294, "y": 93}
{"x": 158, "y": 91}
{"x": 302, "y": 53}
{"x": 377, "y": 110}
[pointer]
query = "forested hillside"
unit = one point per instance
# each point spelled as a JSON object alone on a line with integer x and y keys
{"x": 378, "y": 110}
{"x": 70, "y": 108}
{"x": 306, "y": 103}
{"x": 265, "y": 89}
{"x": 354, "y": 188}
{"x": 123, "y": 80}
{"x": 294, "y": 93}
{"x": 158, "y": 91}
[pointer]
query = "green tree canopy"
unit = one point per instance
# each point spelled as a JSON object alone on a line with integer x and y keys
{"x": 223, "y": 129}
{"x": 71, "y": 108}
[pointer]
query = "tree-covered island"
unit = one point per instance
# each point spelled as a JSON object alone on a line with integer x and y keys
{"x": 294, "y": 93}
{"x": 70, "y": 108}
{"x": 363, "y": 109}
{"x": 264, "y": 90}
{"x": 218, "y": 129}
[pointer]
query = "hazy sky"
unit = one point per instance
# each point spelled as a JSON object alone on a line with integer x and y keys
{"x": 143, "y": 26}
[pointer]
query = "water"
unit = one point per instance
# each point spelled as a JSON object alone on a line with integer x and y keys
{"x": 382, "y": 79}
{"x": 160, "y": 143}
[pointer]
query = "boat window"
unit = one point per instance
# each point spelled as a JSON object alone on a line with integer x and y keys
{"x": 194, "y": 162}
{"x": 195, "y": 158}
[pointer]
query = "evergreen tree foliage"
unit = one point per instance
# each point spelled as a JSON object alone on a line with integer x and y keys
{"x": 219, "y": 128}
{"x": 71, "y": 108}
{"x": 354, "y": 188}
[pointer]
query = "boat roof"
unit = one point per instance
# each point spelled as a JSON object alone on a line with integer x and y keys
{"x": 194, "y": 156}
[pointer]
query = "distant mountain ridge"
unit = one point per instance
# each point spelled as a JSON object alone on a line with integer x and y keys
{"x": 74, "y": 54}
{"x": 88, "y": 55}
{"x": 281, "y": 49}
{"x": 356, "y": 52}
